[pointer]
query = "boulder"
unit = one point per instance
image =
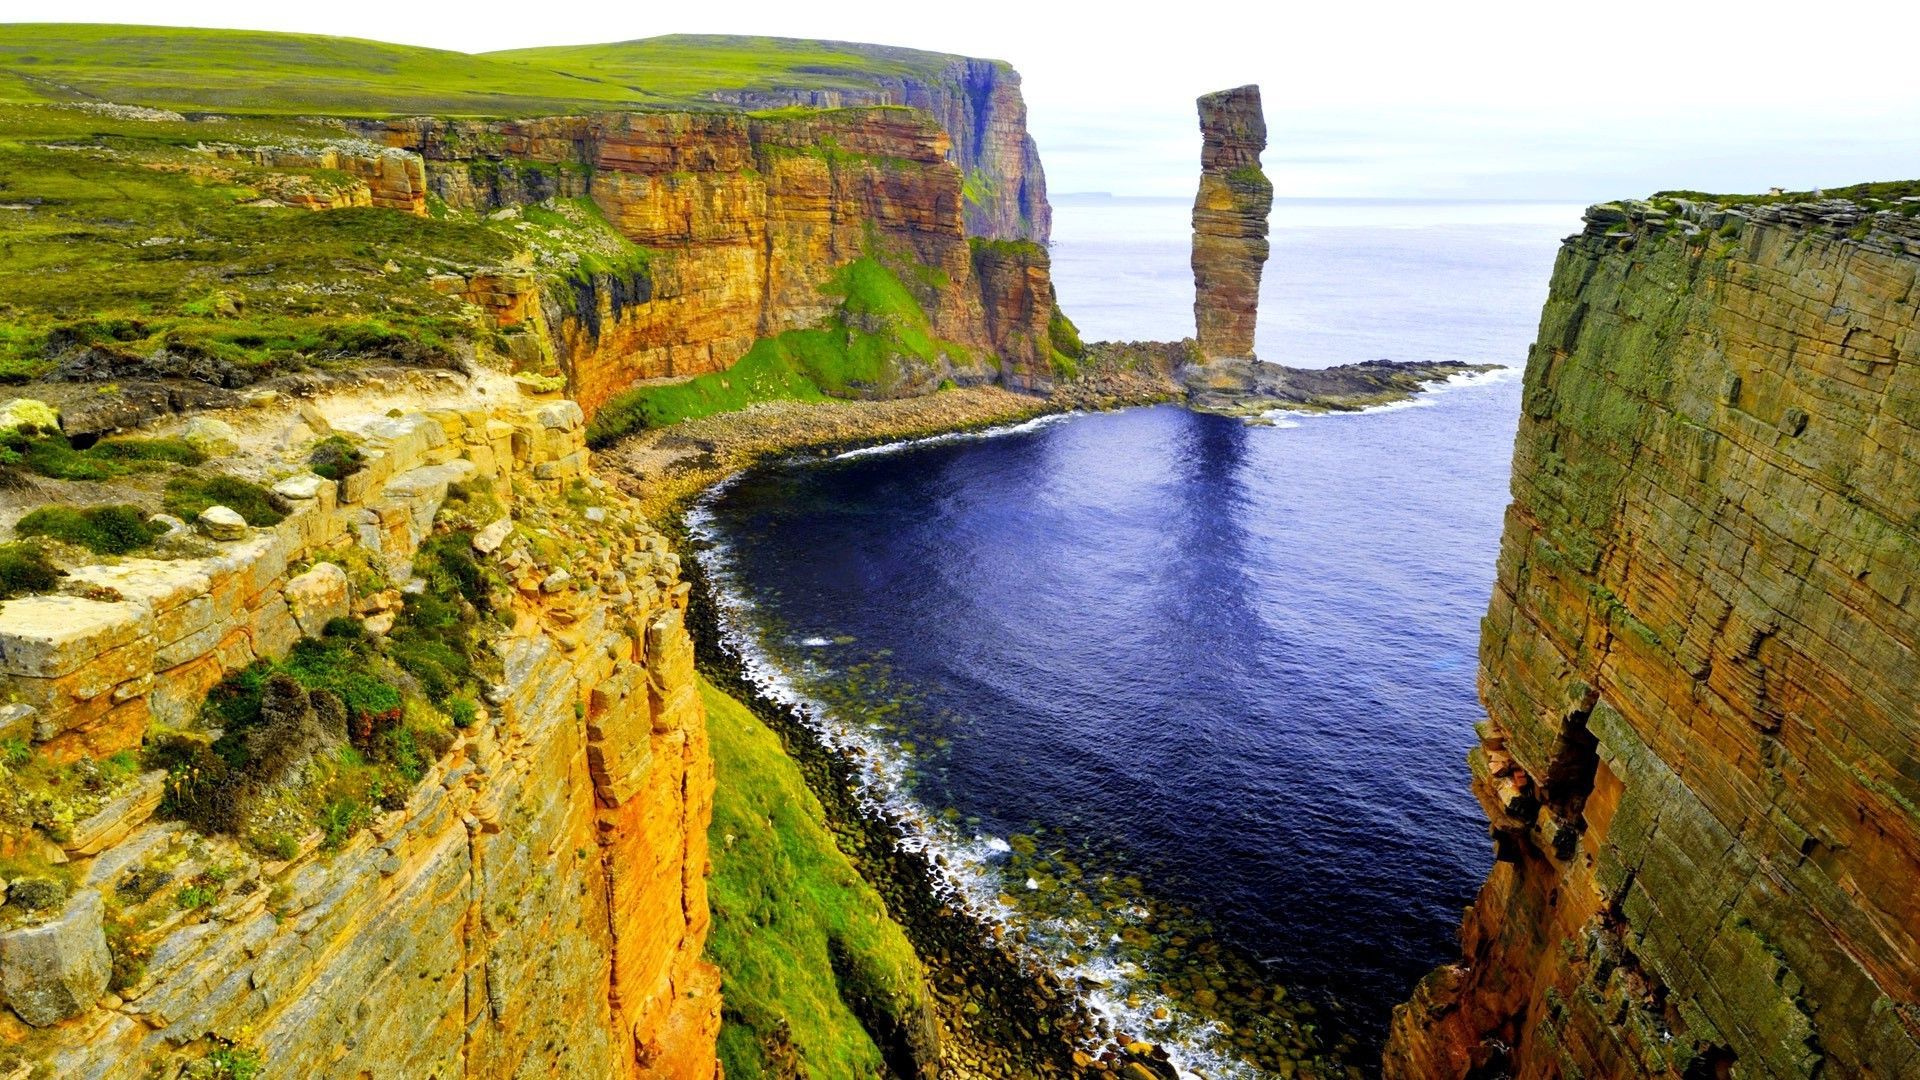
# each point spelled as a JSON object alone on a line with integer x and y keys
{"x": 560, "y": 416}
{"x": 300, "y": 487}
{"x": 214, "y": 438}
{"x": 59, "y": 968}
{"x": 318, "y": 596}
{"x": 221, "y": 523}
{"x": 488, "y": 540}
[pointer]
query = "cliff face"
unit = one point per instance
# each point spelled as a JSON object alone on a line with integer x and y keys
{"x": 743, "y": 220}
{"x": 1701, "y": 666}
{"x": 1230, "y": 223}
{"x": 979, "y": 104}
{"x": 535, "y": 905}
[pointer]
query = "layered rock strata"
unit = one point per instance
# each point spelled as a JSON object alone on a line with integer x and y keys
{"x": 376, "y": 176}
{"x": 979, "y": 104}
{"x": 537, "y": 905}
{"x": 1230, "y": 223}
{"x": 744, "y": 220}
{"x": 1701, "y": 665}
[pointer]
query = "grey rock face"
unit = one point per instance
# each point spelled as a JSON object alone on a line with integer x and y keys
{"x": 59, "y": 968}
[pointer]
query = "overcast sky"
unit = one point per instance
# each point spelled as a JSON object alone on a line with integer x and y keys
{"x": 1510, "y": 100}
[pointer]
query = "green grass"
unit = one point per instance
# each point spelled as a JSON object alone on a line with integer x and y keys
{"x": 336, "y": 458}
{"x": 52, "y": 455}
{"x": 1881, "y": 192}
{"x": 1248, "y": 179}
{"x": 195, "y": 273}
{"x": 189, "y": 494}
{"x": 784, "y": 901}
{"x": 103, "y": 530}
{"x": 24, "y": 569}
{"x": 269, "y": 73}
{"x": 878, "y": 335}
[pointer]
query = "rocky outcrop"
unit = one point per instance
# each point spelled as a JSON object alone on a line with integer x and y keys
{"x": 373, "y": 176}
{"x": 979, "y": 104}
{"x": 1023, "y": 319}
{"x": 58, "y": 968}
{"x": 1249, "y": 388}
{"x": 536, "y": 905}
{"x": 1230, "y": 222}
{"x": 744, "y": 221}
{"x": 1701, "y": 665}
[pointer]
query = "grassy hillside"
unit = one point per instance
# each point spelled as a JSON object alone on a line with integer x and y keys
{"x": 255, "y": 72}
{"x": 684, "y": 67}
{"x": 801, "y": 938}
{"x": 127, "y": 246}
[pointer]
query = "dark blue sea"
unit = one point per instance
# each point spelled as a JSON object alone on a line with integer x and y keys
{"x": 1184, "y": 700}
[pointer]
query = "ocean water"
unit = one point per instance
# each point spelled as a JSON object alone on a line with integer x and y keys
{"x": 1184, "y": 701}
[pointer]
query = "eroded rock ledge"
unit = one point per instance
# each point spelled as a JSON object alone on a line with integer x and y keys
{"x": 1701, "y": 664}
{"x": 535, "y": 906}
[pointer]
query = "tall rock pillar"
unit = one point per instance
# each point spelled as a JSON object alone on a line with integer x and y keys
{"x": 1230, "y": 223}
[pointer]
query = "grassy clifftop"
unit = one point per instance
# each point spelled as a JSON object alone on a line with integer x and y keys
{"x": 260, "y": 73}
{"x": 133, "y": 247}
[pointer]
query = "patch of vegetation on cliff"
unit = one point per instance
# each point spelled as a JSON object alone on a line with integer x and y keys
{"x": 878, "y": 340}
{"x": 51, "y": 454}
{"x": 25, "y": 569}
{"x": 1886, "y": 191}
{"x": 191, "y": 494}
{"x": 805, "y": 945}
{"x": 1249, "y": 179}
{"x": 345, "y": 725}
{"x": 103, "y": 530}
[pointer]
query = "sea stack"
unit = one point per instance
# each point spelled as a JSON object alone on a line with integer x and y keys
{"x": 1230, "y": 223}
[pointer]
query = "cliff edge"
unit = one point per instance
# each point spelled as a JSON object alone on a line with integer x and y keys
{"x": 403, "y": 771}
{"x": 1701, "y": 663}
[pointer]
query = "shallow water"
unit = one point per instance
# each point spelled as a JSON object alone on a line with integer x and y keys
{"x": 1185, "y": 700}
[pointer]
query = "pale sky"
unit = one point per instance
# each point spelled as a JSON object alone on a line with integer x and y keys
{"x": 1508, "y": 100}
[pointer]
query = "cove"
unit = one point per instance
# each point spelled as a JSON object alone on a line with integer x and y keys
{"x": 1182, "y": 700}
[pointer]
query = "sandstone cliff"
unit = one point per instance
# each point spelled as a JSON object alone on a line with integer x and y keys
{"x": 534, "y": 904}
{"x": 1700, "y": 664}
{"x": 978, "y": 103}
{"x": 1230, "y": 223}
{"x": 743, "y": 221}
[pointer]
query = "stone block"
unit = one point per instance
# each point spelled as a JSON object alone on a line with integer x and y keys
{"x": 161, "y": 584}
{"x": 127, "y": 812}
{"x": 58, "y": 969}
{"x": 221, "y": 523}
{"x": 488, "y": 540}
{"x": 49, "y": 636}
{"x": 560, "y": 416}
{"x": 317, "y": 596}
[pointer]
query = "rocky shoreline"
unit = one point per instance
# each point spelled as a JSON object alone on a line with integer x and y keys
{"x": 1032, "y": 1024}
